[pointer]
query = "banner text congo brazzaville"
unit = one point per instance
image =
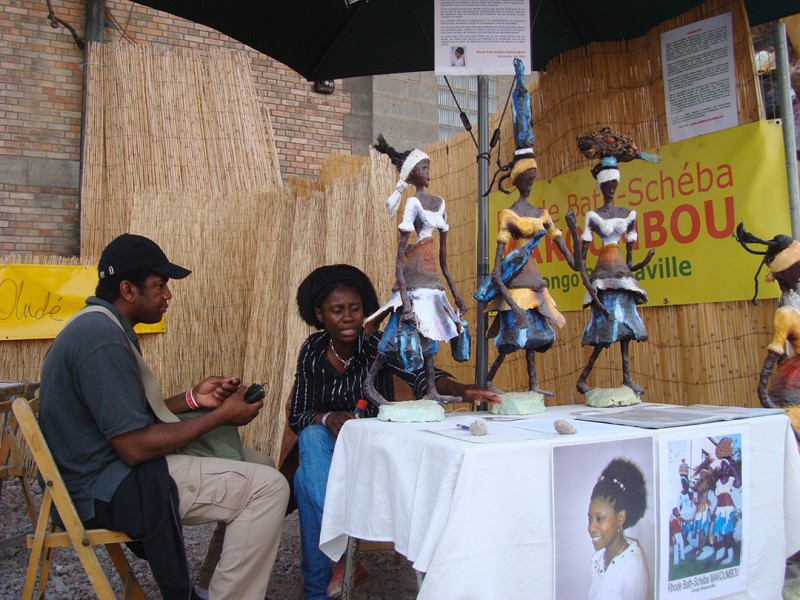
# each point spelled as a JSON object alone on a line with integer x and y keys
{"x": 687, "y": 209}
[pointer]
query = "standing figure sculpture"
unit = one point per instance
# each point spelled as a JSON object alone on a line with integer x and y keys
{"x": 615, "y": 317}
{"x": 779, "y": 380}
{"x": 516, "y": 290}
{"x": 421, "y": 315}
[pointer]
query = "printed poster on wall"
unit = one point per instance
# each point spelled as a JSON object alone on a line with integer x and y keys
{"x": 705, "y": 513}
{"x": 474, "y": 37}
{"x": 699, "y": 78}
{"x": 614, "y": 554}
{"x": 687, "y": 208}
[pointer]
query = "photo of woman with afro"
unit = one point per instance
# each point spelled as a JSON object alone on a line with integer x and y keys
{"x": 604, "y": 522}
{"x": 618, "y": 501}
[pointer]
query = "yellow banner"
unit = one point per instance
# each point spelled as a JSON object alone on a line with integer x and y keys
{"x": 37, "y": 300}
{"x": 687, "y": 208}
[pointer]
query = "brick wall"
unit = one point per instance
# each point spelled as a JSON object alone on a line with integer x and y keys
{"x": 41, "y": 84}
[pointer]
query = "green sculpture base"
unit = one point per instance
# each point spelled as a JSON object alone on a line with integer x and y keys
{"x": 519, "y": 403}
{"x": 610, "y": 397}
{"x": 412, "y": 411}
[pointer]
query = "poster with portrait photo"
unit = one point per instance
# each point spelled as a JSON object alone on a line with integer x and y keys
{"x": 490, "y": 35}
{"x": 620, "y": 521}
{"x": 704, "y": 513}
{"x": 458, "y": 56}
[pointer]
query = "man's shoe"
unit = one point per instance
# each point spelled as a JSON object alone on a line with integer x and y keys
{"x": 336, "y": 585}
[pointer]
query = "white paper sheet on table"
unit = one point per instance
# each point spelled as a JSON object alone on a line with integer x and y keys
{"x": 502, "y": 428}
{"x": 657, "y": 416}
{"x": 498, "y": 432}
{"x": 581, "y": 427}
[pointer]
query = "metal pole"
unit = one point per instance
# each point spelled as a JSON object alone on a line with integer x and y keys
{"x": 95, "y": 21}
{"x": 787, "y": 118}
{"x": 481, "y": 343}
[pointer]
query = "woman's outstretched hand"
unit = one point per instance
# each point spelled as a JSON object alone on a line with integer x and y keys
{"x": 477, "y": 395}
{"x": 469, "y": 393}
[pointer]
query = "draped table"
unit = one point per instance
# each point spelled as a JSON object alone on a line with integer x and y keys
{"x": 476, "y": 518}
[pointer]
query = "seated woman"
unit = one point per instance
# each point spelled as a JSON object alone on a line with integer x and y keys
{"x": 331, "y": 370}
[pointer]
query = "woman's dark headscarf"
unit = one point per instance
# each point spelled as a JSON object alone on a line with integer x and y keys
{"x": 323, "y": 280}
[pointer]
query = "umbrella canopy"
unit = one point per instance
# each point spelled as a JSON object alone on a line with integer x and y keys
{"x": 331, "y": 39}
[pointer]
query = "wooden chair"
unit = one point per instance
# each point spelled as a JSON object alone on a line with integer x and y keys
{"x": 47, "y": 535}
{"x": 13, "y": 463}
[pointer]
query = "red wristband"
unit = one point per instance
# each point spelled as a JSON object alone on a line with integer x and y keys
{"x": 190, "y": 400}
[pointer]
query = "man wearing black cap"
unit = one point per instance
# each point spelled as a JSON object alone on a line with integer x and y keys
{"x": 116, "y": 440}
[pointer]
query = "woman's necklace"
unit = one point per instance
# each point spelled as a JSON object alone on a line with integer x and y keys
{"x": 609, "y": 560}
{"x": 347, "y": 362}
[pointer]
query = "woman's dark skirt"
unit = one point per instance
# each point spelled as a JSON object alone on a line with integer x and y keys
{"x": 626, "y": 323}
{"x": 539, "y": 335}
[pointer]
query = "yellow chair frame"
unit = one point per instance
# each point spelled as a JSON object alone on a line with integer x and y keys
{"x": 47, "y": 535}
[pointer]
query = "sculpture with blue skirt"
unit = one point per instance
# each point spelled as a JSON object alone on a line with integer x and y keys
{"x": 526, "y": 314}
{"x": 420, "y": 314}
{"x": 612, "y": 289}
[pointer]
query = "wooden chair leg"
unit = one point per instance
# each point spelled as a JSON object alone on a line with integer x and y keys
{"x": 26, "y": 490}
{"x": 9, "y": 455}
{"x": 100, "y": 583}
{"x": 131, "y": 586}
{"x": 349, "y": 568}
{"x": 44, "y": 569}
{"x": 37, "y": 548}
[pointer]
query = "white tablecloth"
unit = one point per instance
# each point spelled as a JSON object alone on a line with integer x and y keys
{"x": 475, "y": 517}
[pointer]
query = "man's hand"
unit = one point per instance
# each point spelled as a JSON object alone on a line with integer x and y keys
{"x": 213, "y": 391}
{"x": 237, "y": 411}
{"x": 226, "y": 396}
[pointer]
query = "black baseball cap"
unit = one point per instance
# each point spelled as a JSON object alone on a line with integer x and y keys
{"x": 130, "y": 252}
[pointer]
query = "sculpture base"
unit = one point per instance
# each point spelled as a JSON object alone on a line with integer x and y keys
{"x": 610, "y": 397}
{"x": 411, "y": 411}
{"x": 519, "y": 403}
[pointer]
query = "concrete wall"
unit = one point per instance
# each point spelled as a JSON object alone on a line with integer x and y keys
{"x": 406, "y": 109}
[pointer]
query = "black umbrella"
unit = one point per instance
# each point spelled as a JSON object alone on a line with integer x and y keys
{"x": 331, "y": 39}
